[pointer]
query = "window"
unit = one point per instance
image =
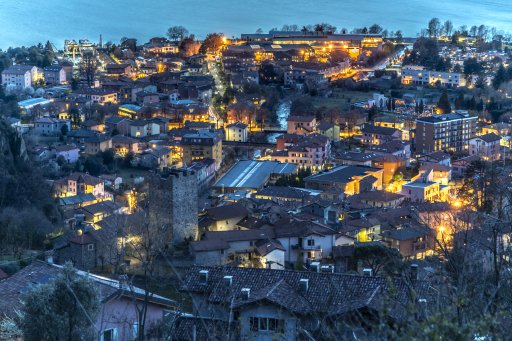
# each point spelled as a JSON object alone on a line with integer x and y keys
{"x": 135, "y": 329}
{"x": 90, "y": 247}
{"x": 266, "y": 324}
{"x": 311, "y": 242}
{"x": 109, "y": 335}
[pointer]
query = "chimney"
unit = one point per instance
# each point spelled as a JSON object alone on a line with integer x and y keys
{"x": 203, "y": 277}
{"x": 422, "y": 308}
{"x": 49, "y": 257}
{"x": 228, "y": 280}
{"x": 315, "y": 266}
{"x": 414, "y": 271}
{"x": 246, "y": 293}
{"x": 367, "y": 272}
{"x": 327, "y": 268}
{"x": 304, "y": 285}
{"x": 123, "y": 279}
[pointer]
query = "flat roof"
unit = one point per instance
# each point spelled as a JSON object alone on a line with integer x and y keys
{"x": 29, "y": 103}
{"x": 249, "y": 174}
{"x": 419, "y": 183}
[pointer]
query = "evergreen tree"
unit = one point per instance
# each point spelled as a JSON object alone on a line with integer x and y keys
{"x": 500, "y": 77}
{"x": 64, "y": 309}
{"x": 444, "y": 103}
{"x": 459, "y": 102}
{"x": 417, "y": 108}
{"x": 372, "y": 113}
{"x": 421, "y": 107}
{"x": 472, "y": 103}
{"x": 480, "y": 84}
{"x": 480, "y": 105}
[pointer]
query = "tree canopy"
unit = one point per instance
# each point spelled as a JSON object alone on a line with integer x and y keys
{"x": 64, "y": 309}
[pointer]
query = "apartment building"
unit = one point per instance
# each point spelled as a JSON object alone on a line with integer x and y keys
{"x": 419, "y": 76}
{"x": 54, "y": 75}
{"x": 309, "y": 151}
{"x": 21, "y": 75}
{"x": 450, "y": 132}
{"x": 204, "y": 144}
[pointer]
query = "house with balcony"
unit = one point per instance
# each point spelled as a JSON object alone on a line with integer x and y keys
{"x": 301, "y": 125}
{"x": 376, "y": 135}
{"x": 413, "y": 241}
{"x": 423, "y": 188}
{"x": 98, "y": 96}
{"x": 294, "y": 242}
{"x": 309, "y": 151}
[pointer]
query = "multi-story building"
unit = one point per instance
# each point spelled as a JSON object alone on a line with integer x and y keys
{"x": 21, "y": 75}
{"x": 97, "y": 143}
{"x": 99, "y": 96}
{"x": 299, "y": 73}
{"x": 426, "y": 187}
{"x": 301, "y": 125}
{"x": 450, "y": 132}
{"x": 54, "y": 75}
{"x": 143, "y": 128}
{"x": 18, "y": 78}
{"x": 50, "y": 126}
{"x": 119, "y": 69}
{"x": 486, "y": 146}
{"x": 204, "y": 144}
{"x": 236, "y": 132}
{"x": 419, "y": 76}
{"x": 79, "y": 183}
{"x": 309, "y": 151}
{"x": 376, "y": 135}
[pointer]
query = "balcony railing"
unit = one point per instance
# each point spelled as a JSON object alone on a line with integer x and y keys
{"x": 306, "y": 247}
{"x": 419, "y": 246}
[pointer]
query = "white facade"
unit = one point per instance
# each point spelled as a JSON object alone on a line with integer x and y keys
{"x": 143, "y": 130}
{"x": 236, "y": 132}
{"x": 16, "y": 78}
{"x": 50, "y": 126}
{"x": 420, "y": 76}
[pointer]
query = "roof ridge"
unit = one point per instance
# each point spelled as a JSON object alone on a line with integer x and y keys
{"x": 373, "y": 294}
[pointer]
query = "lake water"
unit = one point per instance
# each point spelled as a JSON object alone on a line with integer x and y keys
{"x": 26, "y": 22}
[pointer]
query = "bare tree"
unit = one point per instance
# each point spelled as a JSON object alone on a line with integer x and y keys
{"x": 177, "y": 33}
{"x": 88, "y": 66}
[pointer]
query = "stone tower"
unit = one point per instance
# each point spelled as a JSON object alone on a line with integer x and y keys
{"x": 173, "y": 201}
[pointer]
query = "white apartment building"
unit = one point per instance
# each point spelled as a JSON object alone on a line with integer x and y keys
{"x": 21, "y": 75}
{"x": 418, "y": 75}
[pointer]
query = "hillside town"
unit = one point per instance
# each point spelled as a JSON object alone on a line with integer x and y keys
{"x": 309, "y": 183}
